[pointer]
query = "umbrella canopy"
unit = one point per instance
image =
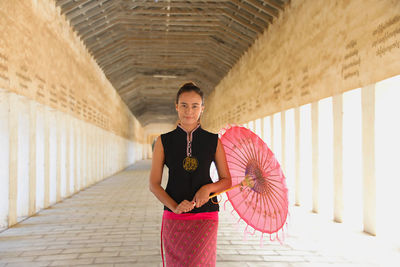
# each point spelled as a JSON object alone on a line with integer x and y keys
{"x": 260, "y": 196}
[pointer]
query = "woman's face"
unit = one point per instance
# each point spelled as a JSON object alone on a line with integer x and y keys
{"x": 189, "y": 107}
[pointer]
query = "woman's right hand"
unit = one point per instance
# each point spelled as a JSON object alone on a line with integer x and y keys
{"x": 184, "y": 206}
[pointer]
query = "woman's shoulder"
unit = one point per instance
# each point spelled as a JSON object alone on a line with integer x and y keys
{"x": 209, "y": 133}
{"x": 168, "y": 133}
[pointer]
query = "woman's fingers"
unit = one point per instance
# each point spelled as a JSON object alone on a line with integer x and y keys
{"x": 185, "y": 206}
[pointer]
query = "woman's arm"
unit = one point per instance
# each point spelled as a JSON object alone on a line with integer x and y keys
{"x": 155, "y": 187}
{"x": 225, "y": 182}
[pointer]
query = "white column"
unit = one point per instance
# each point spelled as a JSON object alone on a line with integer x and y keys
{"x": 297, "y": 156}
{"x": 13, "y": 157}
{"x": 368, "y": 158}
{"x": 83, "y": 155}
{"x": 32, "y": 158}
{"x": 46, "y": 125}
{"x": 88, "y": 155}
{"x": 4, "y": 157}
{"x": 23, "y": 107}
{"x": 53, "y": 156}
{"x": 272, "y": 132}
{"x": 338, "y": 157}
{"x": 68, "y": 142}
{"x": 58, "y": 158}
{"x": 40, "y": 156}
{"x": 77, "y": 145}
{"x": 315, "y": 163}
{"x": 283, "y": 141}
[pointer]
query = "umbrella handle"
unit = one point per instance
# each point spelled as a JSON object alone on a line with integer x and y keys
{"x": 233, "y": 187}
{"x": 247, "y": 181}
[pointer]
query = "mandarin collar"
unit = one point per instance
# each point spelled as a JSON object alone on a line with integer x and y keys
{"x": 180, "y": 128}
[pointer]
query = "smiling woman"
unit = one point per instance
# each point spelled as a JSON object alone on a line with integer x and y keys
{"x": 190, "y": 219}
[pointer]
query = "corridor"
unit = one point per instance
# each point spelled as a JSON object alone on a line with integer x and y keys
{"x": 116, "y": 222}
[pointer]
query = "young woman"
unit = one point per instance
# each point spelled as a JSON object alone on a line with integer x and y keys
{"x": 190, "y": 219}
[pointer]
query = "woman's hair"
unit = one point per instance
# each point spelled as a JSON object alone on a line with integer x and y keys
{"x": 189, "y": 87}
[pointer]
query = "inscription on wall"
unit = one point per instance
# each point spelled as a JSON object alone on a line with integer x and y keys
{"x": 40, "y": 91}
{"x": 387, "y": 36}
{"x": 351, "y": 61}
{"x": 23, "y": 77}
{"x": 53, "y": 96}
{"x": 56, "y": 96}
{"x": 305, "y": 84}
{"x": 276, "y": 92}
{"x": 288, "y": 95}
{"x": 3, "y": 69}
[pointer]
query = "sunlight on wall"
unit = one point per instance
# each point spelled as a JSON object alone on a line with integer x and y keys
{"x": 305, "y": 157}
{"x": 257, "y": 126}
{"x": 387, "y": 151}
{"x": 267, "y": 131}
{"x": 387, "y": 141}
{"x": 352, "y": 158}
{"x": 290, "y": 154}
{"x": 250, "y": 125}
{"x": 277, "y": 142}
{"x": 325, "y": 160}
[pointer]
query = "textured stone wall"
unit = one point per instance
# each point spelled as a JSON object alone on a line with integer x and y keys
{"x": 63, "y": 127}
{"x": 314, "y": 50}
{"x": 43, "y": 59}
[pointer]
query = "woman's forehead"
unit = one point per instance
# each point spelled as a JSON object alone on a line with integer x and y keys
{"x": 190, "y": 98}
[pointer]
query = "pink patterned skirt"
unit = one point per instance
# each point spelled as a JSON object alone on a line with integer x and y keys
{"x": 189, "y": 239}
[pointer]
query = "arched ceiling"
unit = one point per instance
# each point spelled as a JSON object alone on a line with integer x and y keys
{"x": 148, "y": 48}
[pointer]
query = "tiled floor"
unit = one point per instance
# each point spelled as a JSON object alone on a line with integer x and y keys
{"x": 117, "y": 223}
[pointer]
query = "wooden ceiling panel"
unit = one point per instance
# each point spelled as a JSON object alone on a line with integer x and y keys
{"x": 148, "y": 48}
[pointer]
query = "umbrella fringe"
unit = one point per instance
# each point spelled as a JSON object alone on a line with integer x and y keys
{"x": 225, "y": 204}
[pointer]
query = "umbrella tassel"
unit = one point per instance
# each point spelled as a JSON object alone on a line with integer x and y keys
{"x": 245, "y": 234}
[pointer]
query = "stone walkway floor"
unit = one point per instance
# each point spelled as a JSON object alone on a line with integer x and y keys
{"x": 117, "y": 223}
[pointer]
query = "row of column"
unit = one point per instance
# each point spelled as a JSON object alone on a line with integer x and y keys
{"x": 368, "y": 154}
{"x": 47, "y": 155}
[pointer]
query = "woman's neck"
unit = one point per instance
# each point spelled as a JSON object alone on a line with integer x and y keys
{"x": 188, "y": 128}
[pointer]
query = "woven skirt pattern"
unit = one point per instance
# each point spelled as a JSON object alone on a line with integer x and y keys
{"x": 190, "y": 239}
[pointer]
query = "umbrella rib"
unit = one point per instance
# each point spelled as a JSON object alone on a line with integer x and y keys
{"x": 241, "y": 202}
{"x": 271, "y": 188}
{"x": 265, "y": 201}
{"x": 245, "y": 158}
{"x": 248, "y": 207}
{"x": 248, "y": 143}
{"x": 274, "y": 206}
{"x": 276, "y": 199}
{"x": 273, "y": 197}
{"x": 262, "y": 208}
{"x": 237, "y": 156}
{"x": 255, "y": 150}
{"x": 246, "y": 149}
{"x": 273, "y": 160}
{"x": 235, "y": 163}
{"x": 265, "y": 160}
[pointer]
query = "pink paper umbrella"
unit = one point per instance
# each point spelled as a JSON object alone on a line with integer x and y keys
{"x": 260, "y": 195}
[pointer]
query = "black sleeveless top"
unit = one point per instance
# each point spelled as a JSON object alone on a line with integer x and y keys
{"x": 183, "y": 185}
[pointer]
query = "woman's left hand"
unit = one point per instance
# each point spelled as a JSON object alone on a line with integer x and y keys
{"x": 202, "y": 196}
